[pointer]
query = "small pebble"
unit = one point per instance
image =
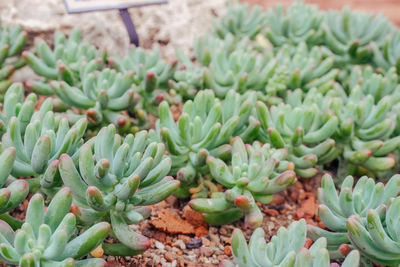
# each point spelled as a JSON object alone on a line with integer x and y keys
{"x": 194, "y": 244}
{"x": 191, "y": 258}
{"x": 221, "y": 257}
{"x": 277, "y": 207}
{"x": 228, "y": 250}
{"x": 169, "y": 256}
{"x": 223, "y": 231}
{"x": 206, "y": 242}
{"x": 159, "y": 245}
{"x": 215, "y": 238}
{"x": 271, "y": 212}
{"x": 207, "y": 252}
{"x": 179, "y": 243}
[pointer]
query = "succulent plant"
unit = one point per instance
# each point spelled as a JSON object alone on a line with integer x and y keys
{"x": 377, "y": 83}
{"x": 350, "y": 34}
{"x": 188, "y": 77}
{"x": 191, "y": 77}
{"x": 111, "y": 171}
{"x": 308, "y": 68}
{"x": 48, "y": 236}
{"x": 286, "y": 248}
{"x": 300, "y": 23}
{"x": 205, "y": 45}
{"x": 241, "y": 21}
{"x": 377, "y": 239}
{"x": 203, "y": 129}
{"x": 256, "y": 173}
{"x": 244, "y": 69}
{"x": 102, "y": 95}
{"x": 38, "y": 137}
{"x": 12, "y": 42}
{"x": 365, "y": 133}
{"x": 304, "y": 130}
{"x": 12, "y": 191}
{"x": 65, "y": 62}
{"x": 335, "y": 209}
{"x": 387, "y": 53}
{"x": 151, "y": 76}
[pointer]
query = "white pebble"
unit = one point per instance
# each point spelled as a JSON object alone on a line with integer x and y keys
{"x": 159, "y": 245}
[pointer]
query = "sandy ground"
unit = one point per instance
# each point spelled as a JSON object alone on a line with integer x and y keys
{"x": 175, "y": 23}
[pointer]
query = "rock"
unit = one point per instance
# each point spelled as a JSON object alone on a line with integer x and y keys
{"x": 223, "y": 230}
{"x": 160, "y": 236}
{"x": 194, "y": 217}
{"x": 112, "y": 263}
{"x": 191, "y": 258}
{"x": 228, "y": 251}
{"x": 172, "y": 201}
{"x": 194, "y": 244}
{"x": 170, "y": 222}
{"x": 201, "y": 231}
{"x": 271, "y": 212}
{"x": 181, "y": 244}
{"x": 221, "y": 258}
{"x": 215, "y": 238}
{"x": 159, "y": 245}
{"x": 205, "y": 241}
{"x": 169, "y": 256}
{"x": 207, "y": 252}
{"x": 184, "y": 238}
{"x": 308, "y": 207}
{"x": 278, "y": 200}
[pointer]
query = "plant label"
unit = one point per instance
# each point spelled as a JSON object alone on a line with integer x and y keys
{"x": 77, "y": 6}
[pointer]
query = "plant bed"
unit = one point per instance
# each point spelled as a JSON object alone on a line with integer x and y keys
{"x": 275, "y": 144}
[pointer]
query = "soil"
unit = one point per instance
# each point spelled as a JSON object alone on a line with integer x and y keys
{"x": 179, "y": 236}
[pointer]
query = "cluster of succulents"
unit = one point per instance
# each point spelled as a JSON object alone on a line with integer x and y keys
{"x": 111, "y": 170}
{"x": 267, "y": 98}
{"x": 49, "y": 237}
{"x": 256, "y": 173}
{"x": 350, "y": 34}
{"x": 362, "y": 215}
{"x": 204, "y": 128}
{"x": 240, "y": 21}
{"x": 308, "y": 68}
{"x": 304, "y": 130}
{"x": 66, "y": 61}
{"x": 152, "y": 74}
{"x": 12, "y": 42}
{"x": 300, "y": 22}
{"x": 286, "y": 248}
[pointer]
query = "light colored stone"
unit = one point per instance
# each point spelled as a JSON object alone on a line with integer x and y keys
{"x": 159, "y": 245}
{"x": 180, "y": 243}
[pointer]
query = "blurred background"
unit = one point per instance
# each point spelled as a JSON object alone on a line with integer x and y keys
{"x": 172, "y": 25}
{"x": 390, "y": 8}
